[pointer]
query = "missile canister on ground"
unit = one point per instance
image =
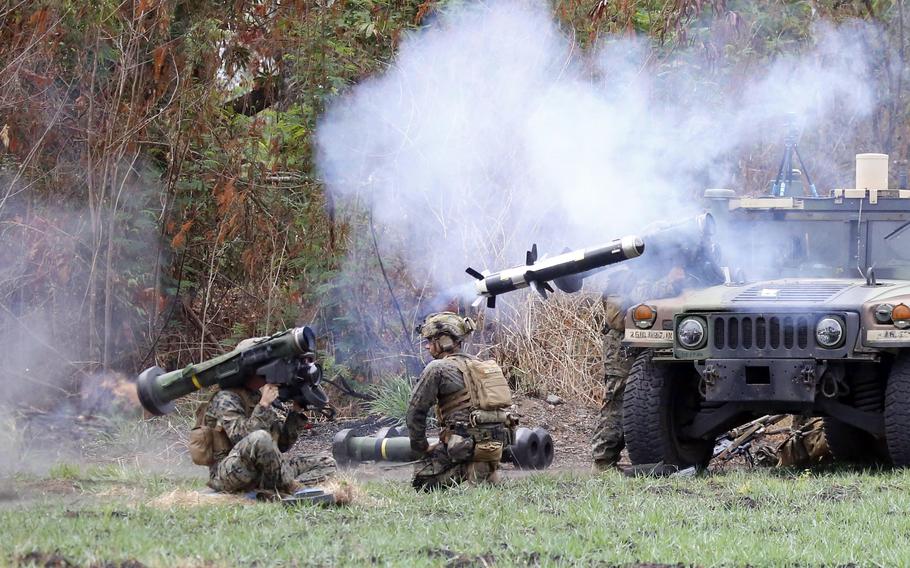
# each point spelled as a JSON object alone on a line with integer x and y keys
{"x": 157, "y": 389}
{"x": 530, "y": 449}
{"x": 389, "y": 444}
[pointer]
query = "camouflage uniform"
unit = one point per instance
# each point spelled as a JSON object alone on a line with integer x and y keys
{"x": 252, "y": 440}
{"x": 450, "y": 462}
{"x": 608, "y": 440}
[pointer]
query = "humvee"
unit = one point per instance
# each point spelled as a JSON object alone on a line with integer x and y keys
{"x": 818, "y": 324}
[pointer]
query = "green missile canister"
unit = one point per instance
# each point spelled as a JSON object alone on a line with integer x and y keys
{"x": 158, "y": 389}
{"x": 527, "y": 448}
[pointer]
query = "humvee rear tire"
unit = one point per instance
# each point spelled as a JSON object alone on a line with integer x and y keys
{"x": 897, "y": 411}
{"x": 656, "y": 398}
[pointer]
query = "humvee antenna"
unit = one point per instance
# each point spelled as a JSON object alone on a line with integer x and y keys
{"x": 784, "y": 179}
{"x": 859, "y": 240}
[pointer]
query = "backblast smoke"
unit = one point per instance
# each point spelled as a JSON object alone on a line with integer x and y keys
{"x": 492, "y": 130}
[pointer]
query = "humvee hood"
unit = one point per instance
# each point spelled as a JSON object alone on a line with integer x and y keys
{"x": 792, "y": 293}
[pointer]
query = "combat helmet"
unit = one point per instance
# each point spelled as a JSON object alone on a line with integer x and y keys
{"x": 448, "y": 323}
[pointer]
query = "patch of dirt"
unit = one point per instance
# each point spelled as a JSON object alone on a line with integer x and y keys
{"x": 8, "y": 494}
{"x": 318, "y": 437}
{"x": 46, "y": 559}
{"x": 467, "y": 561}
{"x": 70, "y": 514}
{"x": 741, "y": 502}
{"x": 570, "y": 424}
{"x": 839, "y": 493}
{"x": 57, "y": 560}
{"x": 57, "y": 486}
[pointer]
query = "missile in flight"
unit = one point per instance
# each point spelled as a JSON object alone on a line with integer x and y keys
{"x": 566, "y": 270}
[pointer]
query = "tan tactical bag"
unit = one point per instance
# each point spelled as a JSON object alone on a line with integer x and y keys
{"x": 805, "y": 447}
{"x": 487, "y": 451}
{"x": 202, "y": 439}
{"x": 486, "y": 385}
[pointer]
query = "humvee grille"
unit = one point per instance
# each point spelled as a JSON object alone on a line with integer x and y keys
{"x": 796, "y": 292}
{"x": 761, "y": 332}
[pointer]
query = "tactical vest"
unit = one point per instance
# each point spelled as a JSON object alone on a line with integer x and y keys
{"x": 485, "y": 394}
{"x": 209, "y": 444}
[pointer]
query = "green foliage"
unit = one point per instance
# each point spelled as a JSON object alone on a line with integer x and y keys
{"x": 392, "y": 395}
{"x": 332, "y": 369}
{"x": 64, "y": 470}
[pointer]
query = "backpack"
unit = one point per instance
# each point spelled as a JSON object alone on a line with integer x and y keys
{"x": 487, "y": 387}
{"x": 201, "y": 443}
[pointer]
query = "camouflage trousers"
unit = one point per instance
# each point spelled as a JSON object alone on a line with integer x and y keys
{"x": 256, "y": 463}
{"x": 453, "y": 463}
{"x": 608, "y": 440}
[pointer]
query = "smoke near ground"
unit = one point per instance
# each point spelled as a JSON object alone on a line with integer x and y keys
{"x": 492, "y": 130}
{"x": 58, "y": 403}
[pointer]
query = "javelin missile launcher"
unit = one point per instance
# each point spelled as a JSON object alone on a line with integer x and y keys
{"x": 566, "y": 270}
{"x": 286, "y": 359}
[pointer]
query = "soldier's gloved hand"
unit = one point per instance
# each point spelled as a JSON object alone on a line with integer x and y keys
{"x": 269, "y": 394}
{"x": 421, "y": 446}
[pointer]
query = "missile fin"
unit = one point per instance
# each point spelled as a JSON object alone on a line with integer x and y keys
{"x": 531, "y": 255}
{"x": 491, "y": 302}
{"x": 539, "y": 288}
{"x": 546, "y": 286}
{"x": 474, "y": 273}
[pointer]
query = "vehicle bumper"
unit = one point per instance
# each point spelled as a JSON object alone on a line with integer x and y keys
{"x": 751, "y": 380}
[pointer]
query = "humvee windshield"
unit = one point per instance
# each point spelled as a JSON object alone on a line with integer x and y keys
{"x": 829, "y": 248}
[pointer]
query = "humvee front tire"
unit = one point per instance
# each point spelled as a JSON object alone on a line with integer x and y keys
{"x": 656, "y": 398}
{"x": 897, "y": 411}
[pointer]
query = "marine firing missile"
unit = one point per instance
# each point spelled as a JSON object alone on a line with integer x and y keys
{"x": 276, "y": 358}
{"x": 566, "y": 270}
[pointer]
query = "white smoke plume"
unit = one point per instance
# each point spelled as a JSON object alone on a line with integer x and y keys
{"x": 492, "y": 130}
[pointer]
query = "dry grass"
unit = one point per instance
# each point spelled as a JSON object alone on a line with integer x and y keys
{"x": 190, "y": 498}
{"x": 345, "y": 490}
{"x": 553, "y": 346}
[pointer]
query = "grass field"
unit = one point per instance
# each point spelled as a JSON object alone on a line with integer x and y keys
{"x": 118, "y": 516}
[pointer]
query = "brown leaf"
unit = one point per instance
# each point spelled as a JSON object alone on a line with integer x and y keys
{"x": 158, "y": 57}
{"x": 423, "y": 10}
{"x": 141, "y": 8}
{"x": 180, "y": 238}
{"x": 225, "y": 195}
{"x": 38, "y": 21}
